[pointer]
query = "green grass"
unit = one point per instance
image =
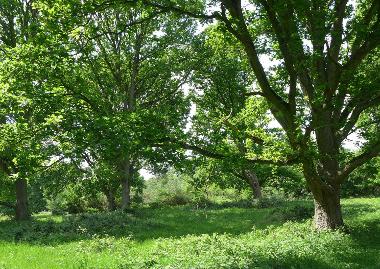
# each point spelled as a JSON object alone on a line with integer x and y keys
{"x": 183, "y": 237}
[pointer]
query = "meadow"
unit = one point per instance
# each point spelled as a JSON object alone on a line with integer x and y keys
{"x": 265, "y": 235}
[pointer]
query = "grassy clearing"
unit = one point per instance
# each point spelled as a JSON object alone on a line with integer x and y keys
{"x": 182, "y": 237}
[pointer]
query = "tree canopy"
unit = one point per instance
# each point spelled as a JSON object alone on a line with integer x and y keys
{"x": 108, "y": 87}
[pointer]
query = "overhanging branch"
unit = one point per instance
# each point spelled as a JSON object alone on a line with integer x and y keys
{"x": 371, "y": 42}
{"x": 221, "y": 156}
{"x": 354, "y": 113}
{"x": 372, "y": 152}
{"x": 170, "y": 7}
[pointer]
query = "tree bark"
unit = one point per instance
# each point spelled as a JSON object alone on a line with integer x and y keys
{"x": 126, "y": 184}
{"x": 111, "y": 200}
{"x": 327, "y": 209}
{"x": 254, "y": 183}
{"x": 22, "y": 206}
{"x": 130, "y": 106}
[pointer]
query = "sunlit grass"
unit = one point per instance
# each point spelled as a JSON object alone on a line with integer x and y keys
{"x": 183, "y": 237}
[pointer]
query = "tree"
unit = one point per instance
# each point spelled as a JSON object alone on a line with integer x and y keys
{"x": 121, "y": 73}
{"x": 218, "y": 124}
{"x": 228, "y": 120}
{"x": 17, "y": 26}
{"x": 324, "y": 79}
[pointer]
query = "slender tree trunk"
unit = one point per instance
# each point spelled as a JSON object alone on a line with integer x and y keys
{"x": 254, "y": 183}
{"x": 111, "y": 200}
{"x": 126, "y": 194}
{"x": 22, "y": 207}
{"x": 126, "y": 184}
{"x": 130, "y": 106}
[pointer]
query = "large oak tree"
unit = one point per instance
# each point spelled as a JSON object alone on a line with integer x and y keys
{"x": 326, "y": 56}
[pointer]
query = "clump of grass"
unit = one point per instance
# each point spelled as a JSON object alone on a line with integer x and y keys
{"x": 291, "y": 245}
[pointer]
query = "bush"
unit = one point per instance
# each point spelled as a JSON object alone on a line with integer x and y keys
{"x": 67, "y": 201}
{"x": 288, "y": 180}
{"x": 169, "y": 190}
{"x": 291, "y": 245}
{"x": 298, "y": 212}
{"x": 269, "y": 201}
{"x": 364, "y": 181}
{"x": 73, "y": 201}
{"x": 37, "y": 202}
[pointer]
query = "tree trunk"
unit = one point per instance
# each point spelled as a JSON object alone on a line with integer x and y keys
{"x": 126, "y": 194}
{"x": 125, "y": 184}
{"x": 254, "y": 183}
{"x": 111, "y": 200}
{"x": 129, "y": 106}
{"x": 327, "y": 212}
{"x": 22, "y": 207}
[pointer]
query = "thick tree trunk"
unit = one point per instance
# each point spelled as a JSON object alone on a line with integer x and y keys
{"x": 22, "y": 207}
{"x": 111, "y": 200}
{"x": 126, "y": 184}
{"x": 254, "y": 183}
{"x": 327, "y": 212}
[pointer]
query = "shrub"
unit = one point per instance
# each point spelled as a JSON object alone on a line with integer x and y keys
{"x": 292, "y": 245}
{"x": 298, "y": 212}
{"x": 269, "y": 201}
{"x": 66, "y": 202}
{"x": 168, "y": 190}
{"x": 365, "y": 181}
{"x": 179, "y": 189}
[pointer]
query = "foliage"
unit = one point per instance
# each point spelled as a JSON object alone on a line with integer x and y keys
{"x": 365, "y": 181}
{"x": 321, "y": 80}
{"x": 287, "y": 180}
{"x": 92, "y": 91}
{"x": 37, "y": 201}
{"x": 169, "y": 189}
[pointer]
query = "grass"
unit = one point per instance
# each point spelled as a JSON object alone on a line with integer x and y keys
{"x": 183, "y": 237}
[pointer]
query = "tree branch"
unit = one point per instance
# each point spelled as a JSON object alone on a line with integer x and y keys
{"x": 171, "y": 7}
{"x": 337, "y": 30}
{"x": 221, "y": 156}
{"x": 371, "y": 42}
{"x": 371, "y": 152}
{"x": 279, "y": 106}
{"x": 248, "y": 94}
{"x": 355, "y": 114}
{"x": 283, "y": 39}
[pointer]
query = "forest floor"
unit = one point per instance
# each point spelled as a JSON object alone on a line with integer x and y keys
{"x": 276, "y": 236}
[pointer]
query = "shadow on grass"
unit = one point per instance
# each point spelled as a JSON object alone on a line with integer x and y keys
{"x": 364, "y": 226}
{"x": 295, "y": 263}
{"x": 173, "y": 222}
{"x": 287, "y": 247}
{"x": 148, "y": 223}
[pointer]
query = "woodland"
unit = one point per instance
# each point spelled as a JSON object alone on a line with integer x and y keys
{"x": 189, "y": 134}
